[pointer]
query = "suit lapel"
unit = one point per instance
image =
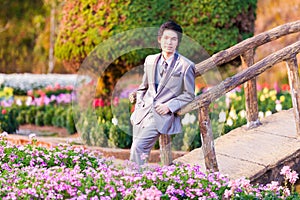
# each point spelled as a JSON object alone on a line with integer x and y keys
{"x": 155, "y": 61}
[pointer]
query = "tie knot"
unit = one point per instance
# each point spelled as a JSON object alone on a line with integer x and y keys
{"x": 165, "y": 64}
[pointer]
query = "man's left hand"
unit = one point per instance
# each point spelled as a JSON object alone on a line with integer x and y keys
{"x": 162, "y": 109}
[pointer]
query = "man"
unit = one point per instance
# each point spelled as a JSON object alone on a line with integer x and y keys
{"x": 168, "y": 84}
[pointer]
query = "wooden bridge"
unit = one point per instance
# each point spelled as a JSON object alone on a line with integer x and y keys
{"x": 265, "y": 132}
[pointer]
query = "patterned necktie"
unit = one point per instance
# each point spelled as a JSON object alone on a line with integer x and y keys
{"x": 163, "y": 68}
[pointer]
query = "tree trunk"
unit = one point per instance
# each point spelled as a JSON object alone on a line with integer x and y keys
{"x": 52, "y": 40}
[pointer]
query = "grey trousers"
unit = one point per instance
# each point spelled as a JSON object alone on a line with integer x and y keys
{"x": 145, "y": 135}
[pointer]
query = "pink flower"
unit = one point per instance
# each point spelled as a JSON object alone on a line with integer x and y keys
{"x": 69, "y": 87}
{"x": 276, "y": 87}
{"x": 285, "y": 170}
{"x": 57, "y": 86}
{"x": 227, "y": 193}
{"x": 116, "y": 101}
{"x": 30, "y": 93}
{"x": 49, "y": 88}
{"x": 150, "y": 194}
{"x": 286, "y": 192}
{"x": 292, "y": 176}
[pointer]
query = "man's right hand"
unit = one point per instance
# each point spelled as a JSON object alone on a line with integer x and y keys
{"x": 132, "y": 97}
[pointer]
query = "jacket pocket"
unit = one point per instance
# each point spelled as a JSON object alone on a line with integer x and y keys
{"x": 177, "y": 74}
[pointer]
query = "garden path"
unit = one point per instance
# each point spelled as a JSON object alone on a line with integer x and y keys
{"x": 255, "y": 153}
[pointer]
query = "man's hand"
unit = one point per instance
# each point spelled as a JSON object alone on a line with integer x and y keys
{"x": 132, "y": 97}
{"x": 162, "y": 109}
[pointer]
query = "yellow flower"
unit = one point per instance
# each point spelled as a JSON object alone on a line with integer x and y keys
{"x": 262, "y": 98}
{"x": 282, "y": 98}
{"x": 272, "y": 92}
{"x": 232, "y": 95}
{"x": 273, "y": 97}
{"x": 265, "y": 90}
{"x": 8, "y": 91}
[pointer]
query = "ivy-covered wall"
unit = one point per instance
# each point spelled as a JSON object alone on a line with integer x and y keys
{"x": 215, "y": 24}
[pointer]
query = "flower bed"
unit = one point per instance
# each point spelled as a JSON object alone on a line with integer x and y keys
{"x": 107, "y": 124}
{"x": 67, "y": 172}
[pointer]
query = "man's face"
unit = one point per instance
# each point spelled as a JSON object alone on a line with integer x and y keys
{"x": 168, "y": 41}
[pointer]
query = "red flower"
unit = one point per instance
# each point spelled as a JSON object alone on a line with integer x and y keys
{"x": 98, "y": 102}
{"x": 4, "y": 112}
{"x": 265, "y": 85}
{"x": 285, "y": 87}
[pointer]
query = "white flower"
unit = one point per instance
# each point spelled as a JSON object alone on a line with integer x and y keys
{"x": 243, "y": 113}
{"x": 278, "y": 107}
{"x": 229, "y": 122}
{"x": 114, "y": 121}
{"x": 28, "y": 101}
{"x": 188, "y": 119}
{"x": 19, "y": 102}
{"x": 32, "y": 136}
{"x": 233, "y": 114}
{"x": 185, "y": 120}
{"x": 261, "y": 114}
{"x": 192, "y": 119}
{"x": 222, "y": 116}
{"x": 268, "y": 113}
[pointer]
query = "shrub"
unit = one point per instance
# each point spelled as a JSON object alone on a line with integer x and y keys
{"x": 8, "y": 120}
{"x": 39, "y": 118}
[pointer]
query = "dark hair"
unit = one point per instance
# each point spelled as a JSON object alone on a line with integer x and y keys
{"x": 170, "y": 25}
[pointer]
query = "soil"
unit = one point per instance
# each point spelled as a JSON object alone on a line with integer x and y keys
{"x": 59, "y": 132}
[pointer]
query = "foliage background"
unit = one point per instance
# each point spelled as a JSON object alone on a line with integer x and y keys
{"x": 24, "y": 36}
{"x": 270, "y": 14}
{"x": 25, "y": 24}
{"x": 214, "y": 24}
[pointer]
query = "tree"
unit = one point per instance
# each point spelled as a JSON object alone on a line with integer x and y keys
{"x": 20, "y": 22}
{"x": 25, "y": 35}
{"x": 214, "y": 24}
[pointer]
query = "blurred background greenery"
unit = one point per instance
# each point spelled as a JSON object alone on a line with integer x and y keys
{"x": 54, "y": 36}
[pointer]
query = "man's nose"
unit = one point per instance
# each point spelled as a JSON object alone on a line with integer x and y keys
{"x": 169, "y": 41}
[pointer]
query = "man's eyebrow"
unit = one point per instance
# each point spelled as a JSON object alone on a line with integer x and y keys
{"x": 171, "y": 37}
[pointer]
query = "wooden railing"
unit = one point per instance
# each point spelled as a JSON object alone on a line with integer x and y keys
{"x": 245, "y": 49}
{"x": 247, "y": 76}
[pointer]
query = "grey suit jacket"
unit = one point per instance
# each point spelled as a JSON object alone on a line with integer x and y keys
{"x": 176, "y": 88}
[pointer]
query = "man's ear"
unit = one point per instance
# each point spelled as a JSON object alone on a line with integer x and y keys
{"x": 158, "y": 39}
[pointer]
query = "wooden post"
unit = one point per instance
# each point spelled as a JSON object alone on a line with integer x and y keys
{"x": 250, "y": 92}
{"x": 165, "y": 149}
{"x": 207, "y": 139}
{"x": 294, "y": 81}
